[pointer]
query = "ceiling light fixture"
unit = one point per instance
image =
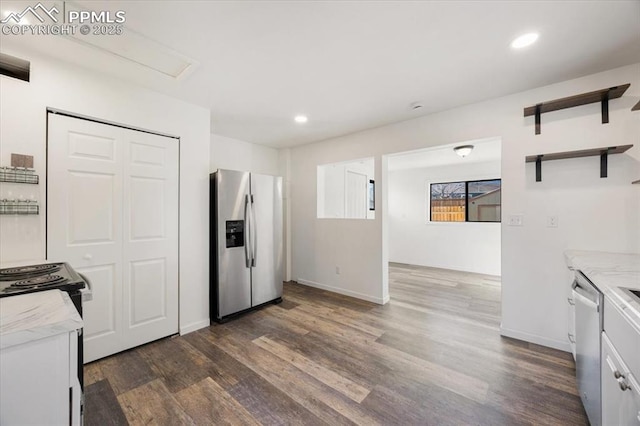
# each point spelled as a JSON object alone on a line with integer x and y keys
{"x": 524, "y": 40}
{"x": 463, "y": 150}
{"x": 301, "y": 119}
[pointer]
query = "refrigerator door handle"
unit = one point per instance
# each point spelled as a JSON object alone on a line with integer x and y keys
{"x": 247, "y": 230}
{"x": 254, "y": 234}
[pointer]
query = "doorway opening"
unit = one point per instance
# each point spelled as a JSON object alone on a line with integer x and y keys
{"x": 443, "y": 219}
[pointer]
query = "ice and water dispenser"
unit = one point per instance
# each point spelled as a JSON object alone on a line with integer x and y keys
{"x": 235, "y": 233}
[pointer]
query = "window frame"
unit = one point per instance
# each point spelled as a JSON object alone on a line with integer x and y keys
{"x": 371, "y": 194}
{"x": 466, "y": 201}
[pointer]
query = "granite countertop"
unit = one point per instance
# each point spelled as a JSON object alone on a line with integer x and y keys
{"x": 610, "y": 272}
{"x": 34, "y": 316}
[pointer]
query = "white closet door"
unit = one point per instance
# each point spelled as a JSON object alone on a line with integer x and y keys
{"x": 150, "y": 243}
{"x": 112, "y": 213}
{"x": 84, "y": 220}
{"x": 355, "y": 195}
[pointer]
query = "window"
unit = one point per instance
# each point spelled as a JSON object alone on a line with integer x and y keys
{"x": 465, "y": 201}
{"x": 448, "y": 202}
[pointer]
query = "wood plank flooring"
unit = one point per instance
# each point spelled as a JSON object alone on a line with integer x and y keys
{"x": 432, "y": 356}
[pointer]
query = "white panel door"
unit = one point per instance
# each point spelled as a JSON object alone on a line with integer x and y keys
{"x": 150, "y": 243}
{"x": 355, "y": 195}
{"x": 84, "y": 220}
{"x": 112, "y": 213}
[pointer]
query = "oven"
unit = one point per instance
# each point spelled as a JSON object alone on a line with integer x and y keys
{"x": 48, "y": 276}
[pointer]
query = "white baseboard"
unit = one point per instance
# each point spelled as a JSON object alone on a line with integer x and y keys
{"x": 538, "y": 340}
{"x": 194, "y": 326}
{"x": 361, "y": 296}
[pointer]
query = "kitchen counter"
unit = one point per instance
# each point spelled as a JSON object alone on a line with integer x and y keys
{"x": 609, "y": 272}
{"x": 34, "y": 316}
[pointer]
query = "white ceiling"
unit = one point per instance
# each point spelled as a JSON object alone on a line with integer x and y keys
{"x": 356, "y": 64}
{"x": 484, "y": 150}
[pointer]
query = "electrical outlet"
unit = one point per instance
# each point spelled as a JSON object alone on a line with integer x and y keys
{"x": 516, "y": 220}
{"x": 552, "y": 221}
{"x": 338, "y": 270}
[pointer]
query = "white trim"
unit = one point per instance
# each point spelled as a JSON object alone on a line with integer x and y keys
{"x": 533, "y": 338}
{"x": 194, "y": 326}
{"x": 57, "y": 111}
{"x": 361, "y": 296}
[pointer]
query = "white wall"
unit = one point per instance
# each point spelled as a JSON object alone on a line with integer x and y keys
{"x": 594, "y": 213}
{"x": 413, "y": 239}
{"x": 284, "y": 169}
{"x": 332, "y": 191}
{"x": 233, "y": 154}
{"x": 23, "y": 129}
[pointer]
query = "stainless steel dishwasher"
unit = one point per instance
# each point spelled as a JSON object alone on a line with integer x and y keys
{"x": 589, "y": 308}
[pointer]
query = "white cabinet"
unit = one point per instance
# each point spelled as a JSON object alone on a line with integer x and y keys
{"x": 39, "y": 360}
{"x": 572, "y": 325}
{"x": 40, "y": 382}
{"x": 571, "y": 304}
{"x": 620, "y": 389}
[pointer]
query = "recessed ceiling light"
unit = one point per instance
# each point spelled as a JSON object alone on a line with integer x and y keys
{"x": 524, "y": 40}
{"x": 301, "y": 119}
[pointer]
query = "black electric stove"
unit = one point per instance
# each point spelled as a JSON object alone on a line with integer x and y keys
{"x": 32, "y": 278}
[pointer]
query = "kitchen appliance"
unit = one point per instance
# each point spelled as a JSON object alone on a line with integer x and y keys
{"x": 246, "y": 254}
{"x": 589, "y": 304}
{"x": 48, "y": 276}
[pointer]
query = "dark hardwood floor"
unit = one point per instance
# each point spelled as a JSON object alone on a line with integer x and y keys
{"x": 432, "y": 356}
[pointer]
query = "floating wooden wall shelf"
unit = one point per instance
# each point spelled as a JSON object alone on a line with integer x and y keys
{"x": 602, "y": 152}
{"x": 636, "y": 107}
{"x": 602, "y": 96}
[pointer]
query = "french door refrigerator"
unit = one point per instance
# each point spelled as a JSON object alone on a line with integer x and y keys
{"x": 246, "y": 254}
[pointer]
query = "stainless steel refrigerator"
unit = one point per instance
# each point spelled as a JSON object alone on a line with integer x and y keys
{"x": 246, "y": 254}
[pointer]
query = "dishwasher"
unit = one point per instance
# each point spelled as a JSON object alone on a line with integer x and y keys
{"x": 588, "y": 310}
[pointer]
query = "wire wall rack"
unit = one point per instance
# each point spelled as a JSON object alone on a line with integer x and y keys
{"x": 19, "y": 207}
{"x": 18, "y": 175}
